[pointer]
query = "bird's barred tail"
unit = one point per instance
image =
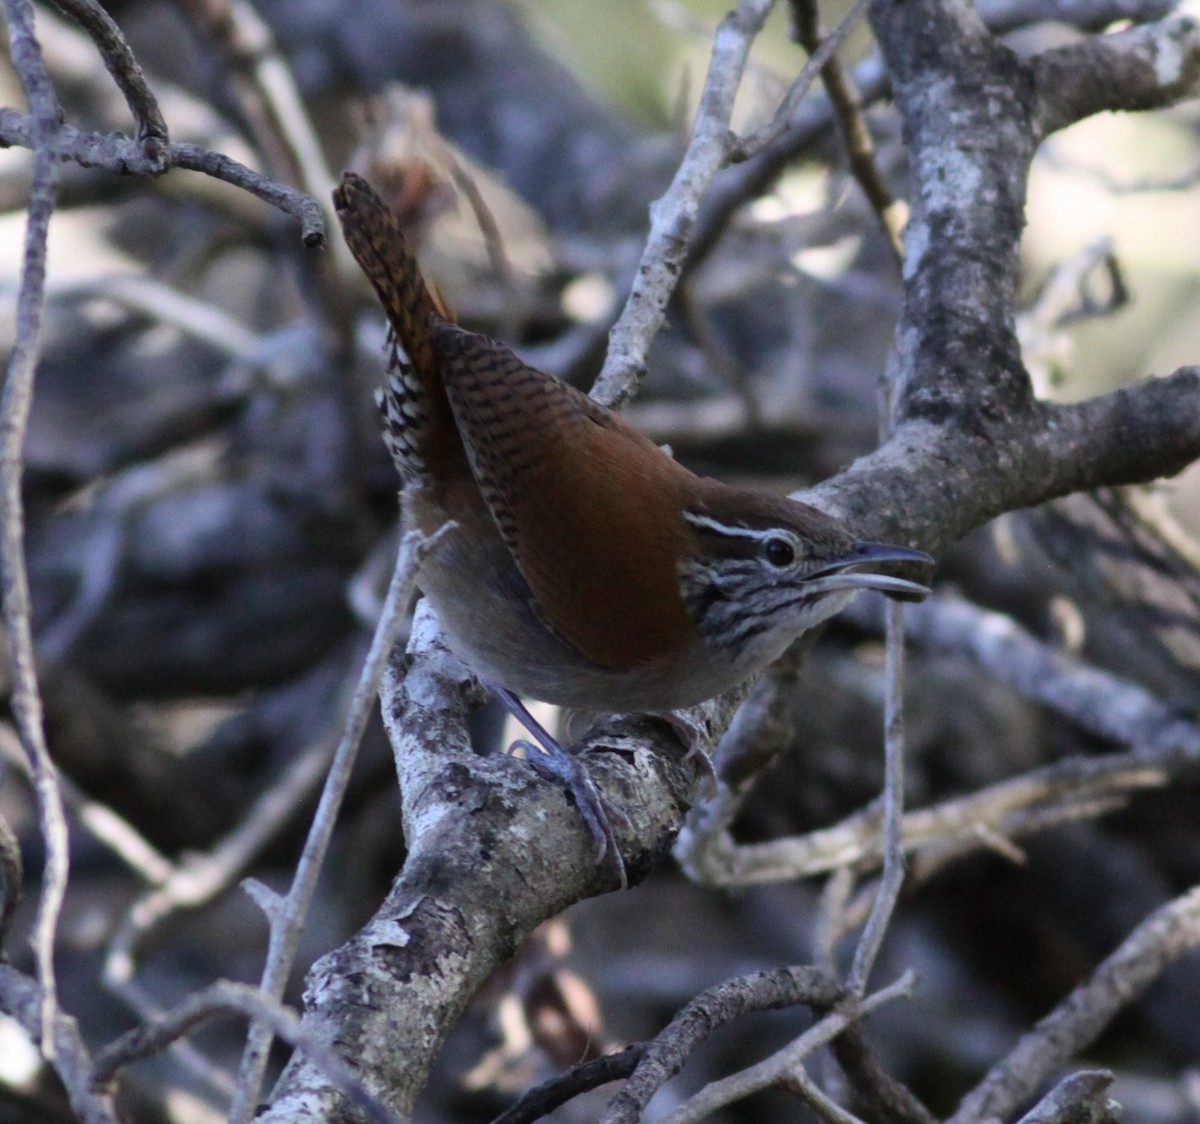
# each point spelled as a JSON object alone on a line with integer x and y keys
{"x": 413, "y": 402}
{"x": 382, "y": 252}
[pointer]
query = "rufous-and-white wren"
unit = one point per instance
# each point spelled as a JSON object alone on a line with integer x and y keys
{"x": 589, "y": 568}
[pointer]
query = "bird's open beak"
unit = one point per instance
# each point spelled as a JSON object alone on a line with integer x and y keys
{"x": 838, "y": 574}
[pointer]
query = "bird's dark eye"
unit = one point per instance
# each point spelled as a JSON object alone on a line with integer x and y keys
{"x": 779, "y": 552}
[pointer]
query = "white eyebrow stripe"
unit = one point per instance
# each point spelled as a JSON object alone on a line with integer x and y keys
{"x": 737, "y": 532}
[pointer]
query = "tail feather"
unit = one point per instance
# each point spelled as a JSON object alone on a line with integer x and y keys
{"x": 381, "y": 250}
{"x": 416, "y": 415}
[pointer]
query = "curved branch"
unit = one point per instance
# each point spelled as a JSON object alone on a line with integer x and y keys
{"x": 122, "y": 156}
{"x": 126, "y": 72}
{"x": 15, "y": 406}
{"x": 931, "y": 484}
{"x": 712, "y": 1009}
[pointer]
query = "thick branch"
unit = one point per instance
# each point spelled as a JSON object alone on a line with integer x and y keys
{"x": 929, "y": 485}
{"x": 493, "y": 851}
{"x": 966, "y": 105}
{"x": 1142, "y": 68}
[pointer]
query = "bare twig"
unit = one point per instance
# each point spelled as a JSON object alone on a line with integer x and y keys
{"x": 14, "y": 419}
{"x": 166, "y": 304}
{"x": 200, "y": 878}
{"x": 818, "y": 1102}
{"x": 880, "y": 1097}
{"x": 288, "y": 915}
{"x": 1100, "y": 703}
{"x": 123, "y": 156}
{"x": 892, "y": 878}
{"x": 779, "y": 1066}
{"x": 764, "y": 137}
{"x": 1145, "y": 954}
{"x": 545, "y": 1098}
{"x": 1114, "y": 550}
{"x": 113, "y": 48}
{"x": 672, "y": 216}
{"x": 712, "y": 1009}
{"x": 815, "y": 116}
{"x": 21, "y": 999}
{"x": 852, "y": 125}
{"x": 1068, "y": 296}
{"x": 742, "y": 182}
{"x": 266, "y": 91}
{"x": 221, "y": 1000}
{"x": 712, "y": 146}
{"x": 1052, "y": 795}
{"x": 202, "y": 1070}
{"x": 99, "y": 819}
{"x": 300, "y": 206}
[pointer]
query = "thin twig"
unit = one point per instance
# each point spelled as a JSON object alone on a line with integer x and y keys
{"x": 1055, "y": 794}
{"x": 779, "y": 125}
{"x": 1160, "y": 940}
{"x": 545, "y": 1098}
{"x": 266, "y": 92}
{"x": 892, "y": 879}
{"x": 712, "y": 146}
{"x": 299, "y": 205}
{"x": 123, "y": 156}
{"x": 1101, "y": 703}
{"x": 17, "y": 400}
{"x": 878, "y": 1095}
{"x": 779, "y": 1066}
{"x": 104, "y": 825}
{"x": 165, "y": 304}
{"x": 743, "y": 182}
{"x": 221, "y": 1000}
{"x": 818, "y": 1103}
{"x": 672, "y": 216}
{"x": 852, "y": 126}
{"x": 288, "y": 915}
{"x": 126, "y": 72}
{"x": 200, "y": 878}
{"x": 215, "y": 1080}
{"x": 710, "y": 1010}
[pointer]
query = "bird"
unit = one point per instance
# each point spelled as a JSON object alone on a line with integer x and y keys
{"x": 589, "y": 568}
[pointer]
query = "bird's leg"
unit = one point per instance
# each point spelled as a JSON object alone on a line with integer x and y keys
{"x": 551, "y": 760}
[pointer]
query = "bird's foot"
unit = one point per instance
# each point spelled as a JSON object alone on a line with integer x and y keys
{"x": 549, "y": 759}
